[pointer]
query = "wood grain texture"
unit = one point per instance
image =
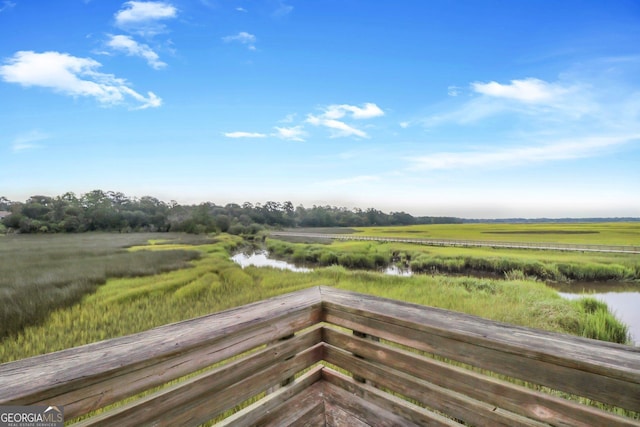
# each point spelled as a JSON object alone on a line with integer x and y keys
{"x": 94, "y": 376}
{"x": 91, "y": 376}
{"x": 602, "y": 371}
{"x": 457, "y": 405}
{"x": 254, "y": 414}
{"x": 512, "y": 397}
{"x": 149, "y": 408}
{"x": 302, "y": 409}
{"x": 410, "y": 413}
{"x": 212, "y": 403}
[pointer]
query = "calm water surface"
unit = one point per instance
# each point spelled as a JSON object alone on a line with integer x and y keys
{"x": 623, "y": 299}
{"x": 261, "y": 259}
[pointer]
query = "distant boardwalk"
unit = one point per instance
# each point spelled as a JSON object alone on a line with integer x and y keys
{"x": 472, "y": 243}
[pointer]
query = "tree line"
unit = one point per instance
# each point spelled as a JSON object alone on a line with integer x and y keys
{"x": 114, "y": 211}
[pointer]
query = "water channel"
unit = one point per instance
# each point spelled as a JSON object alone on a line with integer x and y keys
{"x": 261, "y": 259}
{"x": 622, "y": 299}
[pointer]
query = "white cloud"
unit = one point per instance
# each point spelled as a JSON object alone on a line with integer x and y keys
{"x": 241, "y": 9}
{"x": 242, "y": 37}
{"x": 295, "y": 133}
{"x": 6, "y": 5}
{"x": 329, "y": 118}
{"x": 72, "y": 76}
{"x": 142, "y": 17}
{"x": 338, "y": 128}
{"x": 244, "y": 135}
{"x": 527, "y": 90}
{"x": 289, "y": 118}
{"x": 132, "y": 48}
{"x": 28, "y": 141}
{"x": 454, "y": 90}
{"x": 509, "y": 157}
{"x": 282, "y": 9}
{"x": 535, "y": 98}
{"x": 368, "y": 111}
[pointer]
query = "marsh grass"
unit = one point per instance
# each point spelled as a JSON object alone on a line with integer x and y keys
{"x": 126, "y": 305}
{"x": 40, "y": 274}
{"x": 596, "y": 233}
{"x": 548, "y": 265}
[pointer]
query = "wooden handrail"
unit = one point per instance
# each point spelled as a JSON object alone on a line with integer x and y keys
{"x": 471, "y": 369}
{"x": 89, "y": 377}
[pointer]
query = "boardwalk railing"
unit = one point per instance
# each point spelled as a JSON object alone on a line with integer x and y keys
{"x": 328, "y": 357}
{"x": 570, "y": 247}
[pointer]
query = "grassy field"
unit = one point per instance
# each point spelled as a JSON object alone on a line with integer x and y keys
{"x": 125, "y": 305}
{"x": 42, "y": 273}
{"x": 542, "y": 265}
{"x": 611, "y": 233}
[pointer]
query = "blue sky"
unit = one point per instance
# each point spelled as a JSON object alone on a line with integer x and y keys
{"x": 475, "y": 109}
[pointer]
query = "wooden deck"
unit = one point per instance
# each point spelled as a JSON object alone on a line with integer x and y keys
{"x": 333, "y": 358}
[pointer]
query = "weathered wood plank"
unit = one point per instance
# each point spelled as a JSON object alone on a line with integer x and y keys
{"x": 213, "y": 403}
{"x": 335, "y": 416}
{"x": 302, "y": 409}
{"x": 606, "y": 372}
{"x": 583, "y": 383}
{"x": 151, "y": 407}
{"x": 514, "y": 398}
{"x": 252, "y": 414}
{"x": 91, "y": 376}
{"x": 313, "y": 418}
{"x": 392, "y": 404}
{"x": 457, "y": 405}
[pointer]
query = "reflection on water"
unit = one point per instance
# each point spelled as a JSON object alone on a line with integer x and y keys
{"x": 261, "y": 259}
{"x": 625, "y": 304}
{"x": 394, "y": 270}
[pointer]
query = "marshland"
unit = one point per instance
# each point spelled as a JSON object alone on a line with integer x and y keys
{"x": 64, "y": 290}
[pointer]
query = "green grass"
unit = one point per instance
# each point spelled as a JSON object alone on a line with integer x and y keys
{"x": 600, "y": 233}
{"x": 43, "y": 273}
{"x": 544, "y": 265}
{"x": 126, "y": 305}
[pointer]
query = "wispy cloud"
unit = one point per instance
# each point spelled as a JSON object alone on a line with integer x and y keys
{"x": 241, "y": 9}
{"x": 72, "y": 76}
{"x": 6, "y": 5}
{"x": 533, "y": 97}
{"x": 28, "y": 141}
{"x": 131, "y": 47}
{"x": 244, "y": 135}
{"x": 329, "y": 119}
{"x": 531, "y": 121}
{"x": 516, "y": 156}
{"x": 144, "y": 17}
{"x": 454, "y": 90}
{"x": 295, "y": 133}
{"x": 527, "y": 90}
{"x": 368, "y": 111}
{"x": 243, "y": 38}
{"x": 282, "y": 9}
{"x": 339, "y": 128}
{"x": 289, "y": 118}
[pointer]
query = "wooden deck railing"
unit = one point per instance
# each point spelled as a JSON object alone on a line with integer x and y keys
{"x": 328, "y": 357}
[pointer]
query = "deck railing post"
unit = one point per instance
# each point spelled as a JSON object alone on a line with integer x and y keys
{"x": 287, "y": 380}
{"x": 364, "y": 336}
